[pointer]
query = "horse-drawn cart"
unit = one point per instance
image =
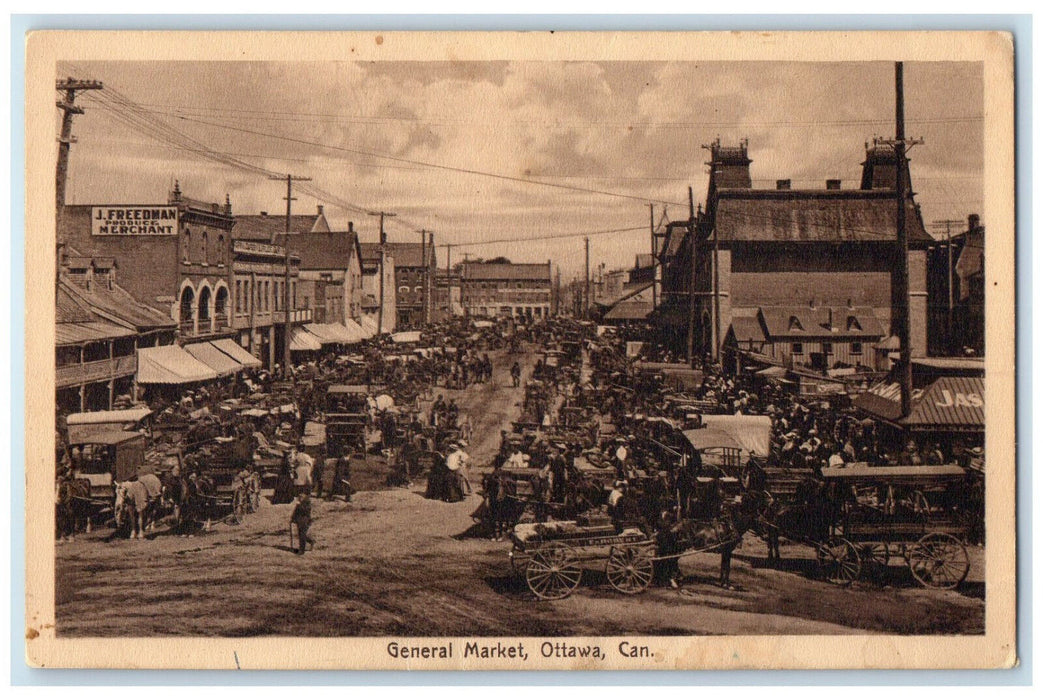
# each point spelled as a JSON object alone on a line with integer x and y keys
{"x": 911, "y": 513}
{"x": 553, "y": 556}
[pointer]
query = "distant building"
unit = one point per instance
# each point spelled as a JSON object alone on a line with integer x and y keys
{"x": 447, "y": 301}
{"x": 506, "y": 289}
{"x": 370, "y": 303}
{"x": 956, "y": 292}
{"x": 415, "y": 266}
{"x": 331, "y": 274}
{"x": 783, "y": 247}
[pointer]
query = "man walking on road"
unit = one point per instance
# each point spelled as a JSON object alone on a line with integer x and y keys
{"x": 301, "y": 517}
{"x": 516, "y": 375}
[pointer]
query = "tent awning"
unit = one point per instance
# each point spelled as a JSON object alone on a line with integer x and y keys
{"x": 369, "y": 325}
{"x": 236, "y": 352}
{"x": 332, "y": 333}
{"x": 128, "y": 415}
{"x": 303, "y": 341}
{"x": 356, "y": 330}
{"x": 406, "y": 337}
{"x": 213, "y": 358}
{"x": 170, "y": 364}
{"x": 752, "y": 434}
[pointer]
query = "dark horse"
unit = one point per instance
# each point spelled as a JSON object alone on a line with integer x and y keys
{"x": 807, "y": 518}
{"x": 500, "y": 509}
{"x": 72, "y": 506}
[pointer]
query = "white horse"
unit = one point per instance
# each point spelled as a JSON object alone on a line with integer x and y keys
{"x": 140, "y": 500}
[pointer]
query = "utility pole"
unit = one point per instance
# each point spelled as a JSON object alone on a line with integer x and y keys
{"x": 651, "y": 233}
{"x": 69, "y": 86}
{"x": 287, "y": 312}
{"x": 692, "y": 277}
{"x": 425, "y": 275}
{"x": 948, "y": 224}
{"x": 586, "y": 278}
{"x": 449, "y": 278}
{"x": 904, "y": 351}
{"x": 383, "y": 248}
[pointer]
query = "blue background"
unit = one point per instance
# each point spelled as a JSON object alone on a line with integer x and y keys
{"x": 1019, "y": 25}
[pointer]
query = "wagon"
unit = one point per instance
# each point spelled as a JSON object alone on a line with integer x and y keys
{"x": 552, "y": 557}
{"x": 234, "y": 486}
{"x": 911, "y": 513}
{"x": 102, "y": 459}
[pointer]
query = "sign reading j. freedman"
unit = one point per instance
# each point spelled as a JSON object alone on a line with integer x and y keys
{"x": 134, "y": 220}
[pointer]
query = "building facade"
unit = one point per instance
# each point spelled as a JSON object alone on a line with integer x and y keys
{"x": 520, "y": 290}
{"x": 415, "y": 266}
{"x": 376, "y": 262}
{"x": 755, "y": 248}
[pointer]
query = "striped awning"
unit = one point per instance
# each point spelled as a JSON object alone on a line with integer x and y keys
{"x": 170, "y": 364}
{"x": 213, "y": 358}
{"x": 236, "y": 352}
{"x": 303, "y": 341}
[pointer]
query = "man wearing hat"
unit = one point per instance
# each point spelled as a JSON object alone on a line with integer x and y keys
{"x": 558, "y": 468}
{"x": 301, "y": 517}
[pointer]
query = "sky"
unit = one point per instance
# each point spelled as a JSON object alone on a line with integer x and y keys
{"x": 461, "y": 148}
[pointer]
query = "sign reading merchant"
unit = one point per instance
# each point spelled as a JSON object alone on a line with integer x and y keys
{"x": 135, "y": 220}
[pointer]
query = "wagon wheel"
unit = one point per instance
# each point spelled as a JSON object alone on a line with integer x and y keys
{"x": 519, "y": 560}
{"x": 875, "y": 556}
{"x": 239, "y": 504}
{"x": 553, "y": 572}
{"x": 939, "y": 560}
{"x": 629, "y": 569}
{"x": 839, "y": 561}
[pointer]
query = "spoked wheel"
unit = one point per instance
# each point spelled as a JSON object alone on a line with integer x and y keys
{"x": 519, "y": 560}
{"x": 553, "y": 573}
{"x": 939, "y": 560}
{"x": 239, "y": 500}
{"x": 839, "y": 561}
{"x": 629, "y": 569}
{"x": 875, "y": 556}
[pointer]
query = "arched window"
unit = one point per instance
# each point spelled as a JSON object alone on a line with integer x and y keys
{"x": 220, "y": 249}
{"x": 186, "y": 245}
{"x": 206, "y": 255}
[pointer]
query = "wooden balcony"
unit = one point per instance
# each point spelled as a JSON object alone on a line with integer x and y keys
{"x": 96, "y": 371}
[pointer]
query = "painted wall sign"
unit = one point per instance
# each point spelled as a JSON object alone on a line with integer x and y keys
{"x": 134, "y": 220}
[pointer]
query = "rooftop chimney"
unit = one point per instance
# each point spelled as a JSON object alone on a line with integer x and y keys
{"x": 832, "y": 184}
{"x": 973, "y": 221}
{"x": 351, "y": 227}
{"x": 782, "y": 184}
{"x": 320, "y": 210}
{"x": 264, "y": 213}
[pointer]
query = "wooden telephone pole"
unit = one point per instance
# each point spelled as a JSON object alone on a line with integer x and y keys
{"x": 383, "y": 249}
{"x": 287, "y": 311}
{"x": 586, "y": 278}
{"x": 70, "y": 87}
{"x": 948, "y": 224}
{"x": 426, "y": 256}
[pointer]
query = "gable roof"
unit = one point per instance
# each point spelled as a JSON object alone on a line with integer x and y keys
{"x": 409, "y": 254}
{"x": 326, "y": 250}
{"x": 117, "y": 305}
{"x": 258, "y": 227}
{"x": 806, "y": 322}
{"x": 832, "y": 216}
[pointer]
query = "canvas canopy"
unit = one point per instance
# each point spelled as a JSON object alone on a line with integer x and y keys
{"x": 213, "y": 358}
{"x": 236, "y": 352}
{"x": 302, "y": 341}
{"x": 170, "y": 364}
{"x": 83, "y": 426}
{"x": 751, "y": 434}
{"x": 406, "y": 337}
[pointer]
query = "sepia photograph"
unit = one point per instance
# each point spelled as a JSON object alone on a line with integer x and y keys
{"x": 520, "y": 351}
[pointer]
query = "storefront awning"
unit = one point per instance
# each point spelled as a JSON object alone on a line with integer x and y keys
{"x": 236, "y": 352}
{"x": 369, "y": 325}
{"x": 357, "y": 331}
{"x": 303, "y": 341}
{"x": 170, "y": 364}
{"x": 213, "y": 358}
{"x": 406, "y": 337}
{"x": 946, "y": 404}
{"x": 332, "y": 333}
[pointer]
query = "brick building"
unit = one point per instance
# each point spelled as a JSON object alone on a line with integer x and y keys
{"x": 956, "y": 316}
{"x": 415, "y": 266}
{"x": 506, "y": 289}
{"x": 787, "y": 248}
{"x": 373, "y": 261}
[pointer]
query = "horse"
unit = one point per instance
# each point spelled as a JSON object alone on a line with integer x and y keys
{"x": 806, "y": 519}
{"x": 139, "y": 501}
{"x": 500, "y": 509}
{"x": 72, "y": 506}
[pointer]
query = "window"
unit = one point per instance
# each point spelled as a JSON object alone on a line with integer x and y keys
{"x": 220, "y": 250}
{"x": 403, "y": 290}
{"x": 278, "y": 296}
{"x": 856, "y": 348}
{"x": 827, "y": 348}
{"x": 794, "y": 324}
{"x": 206, "y": 256}
{"x": 797, "y": 348}
{"x": 238, "y": 296}
{"x": 186, "y": 244}
{"x": 853, "y": 324}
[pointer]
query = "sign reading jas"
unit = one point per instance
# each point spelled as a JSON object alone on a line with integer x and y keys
{"x": 134, "y": 220}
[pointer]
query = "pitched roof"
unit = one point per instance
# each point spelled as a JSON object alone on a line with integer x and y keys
{"x": 747, "y": 329}
{"x": 409, "y": 254}
{"x": 806, "y": 322}
{"x": 258, "y": 227}
{"x": 118, "y": 306}
{"x": 506, "y": 271}
{"x": 325, "y": 250}
{"x": 630, "y": 310}
{"x": 950, "y": 402}
{"x": 813, "y": 216}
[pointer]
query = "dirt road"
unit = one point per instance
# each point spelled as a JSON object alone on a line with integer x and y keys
{"x": 393, "y": 563}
